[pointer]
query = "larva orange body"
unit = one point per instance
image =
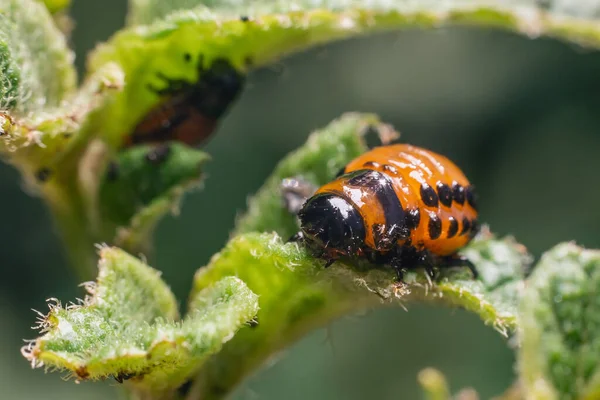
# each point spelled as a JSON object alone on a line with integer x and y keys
{"x": 397, "y": 204}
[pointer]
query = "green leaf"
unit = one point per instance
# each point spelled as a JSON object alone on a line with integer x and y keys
{"x": 293, "y": 284}
{"x": 500, "y": 263}
{"x": 324, "y": 154}
{"x": 55, "y": 6}
{"x": 148, "y": 11}
{"x": 127, "y": 328}
{"x": 181, "y": 43}
{"x": 173, "y": 42}
{"x": 297, "y": 295}
{"x": 46, "y": 139}
{"x": 36, "y": 66}
{"x": 141, "y": 186}
{"x": 495, "y": 295}
{"x": 560, "y": 326}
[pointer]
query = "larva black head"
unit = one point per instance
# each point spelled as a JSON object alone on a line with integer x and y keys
{"x": 330, "y": 222}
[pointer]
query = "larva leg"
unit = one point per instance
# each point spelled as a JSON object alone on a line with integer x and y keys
{"x": 299, "y": 236}
{"x": 429, "y": 262}
{"x": 399, "y": 267}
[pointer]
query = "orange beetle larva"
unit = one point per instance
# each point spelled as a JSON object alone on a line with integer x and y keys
{"x": 398, "y": 204}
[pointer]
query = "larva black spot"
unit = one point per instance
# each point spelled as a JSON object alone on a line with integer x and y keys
{"x": 435, "y": 226}
{"x": 471, "y": 197}
{"x": 444, "y": 193}
{"x": 413, "y": 218}
{"x": 187, "y": 57}
{"x": 453, "y": 228}
{"x": 429, "y": 196}
{"x": 244, "y": 18}
{"x": 466, "y": 226}
{"x": 458, "y": 193}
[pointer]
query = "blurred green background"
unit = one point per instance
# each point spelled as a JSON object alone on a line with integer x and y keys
{"x": 519, "y": 116}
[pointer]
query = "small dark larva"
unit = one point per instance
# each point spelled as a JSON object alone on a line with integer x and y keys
{"x": 191, "y": 110}
{"x": 396, "y": 204}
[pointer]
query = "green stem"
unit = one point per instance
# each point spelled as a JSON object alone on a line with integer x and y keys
{"x": 71, "y": 220}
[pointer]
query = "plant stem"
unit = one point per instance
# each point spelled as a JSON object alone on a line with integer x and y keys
{"x": 71, "y": 220}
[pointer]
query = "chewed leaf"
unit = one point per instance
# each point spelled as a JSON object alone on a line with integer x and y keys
{"x": 297, "y": 293}
{"x": 560, "y": 324}
{"x": 141, "y": 185}
{"x": 317, "y": 161}
{"x": 127, "y": 327}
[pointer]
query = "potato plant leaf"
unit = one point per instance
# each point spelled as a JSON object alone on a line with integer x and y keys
{"x": 128, "y": 327}
{"x": 180, "y": 40}
{"x": 141, "y": 185}
{"x": 560, "y": 319}
{"x": 297, "y": 294}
